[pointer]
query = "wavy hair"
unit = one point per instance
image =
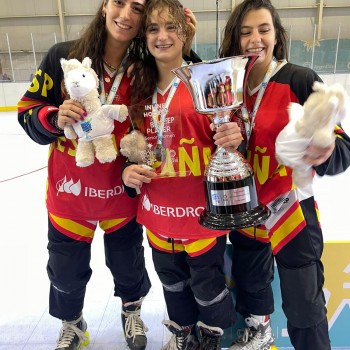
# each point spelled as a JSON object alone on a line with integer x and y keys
{"x": 146, "y": 74}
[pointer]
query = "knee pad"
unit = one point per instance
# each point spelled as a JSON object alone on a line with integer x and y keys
{"x": 219, "y": 312}
{"x": 303, "y": 300}
{"x": 177, "y": 287}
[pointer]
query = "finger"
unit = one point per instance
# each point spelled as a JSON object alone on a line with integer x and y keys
{"x": 227, "y": 143}
{"x": 71, "y": 116}
{"x": 64, "y": 118}
{"x": 73, "y": 106}
{"x": 190, "y": 15}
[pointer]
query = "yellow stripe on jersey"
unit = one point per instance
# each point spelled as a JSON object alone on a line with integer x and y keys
{"x": 199, "y": 245}
{"x": 259, "y": 233}
{"x": 293, "y": 221}
{"x": 191, "y": 247}
{"x": 73, "y": 226}
{"x": 163, "y": 243}
{"x": 108, "y": 224}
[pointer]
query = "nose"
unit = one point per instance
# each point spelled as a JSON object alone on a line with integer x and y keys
{"x": 125, "y": 11}
{"x": 162, "y": 33}
{"x": 255, "y": 37}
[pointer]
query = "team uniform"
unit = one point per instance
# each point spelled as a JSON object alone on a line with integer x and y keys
{"x": 293, "y": 230}
{"x": 79, "y": 199}
{"x": 187, "y": 257}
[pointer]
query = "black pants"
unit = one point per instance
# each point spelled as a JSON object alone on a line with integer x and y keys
{"x": 194, "y": 287}
{"x": 301, "y": 279}
{"x": 69, "y": 268}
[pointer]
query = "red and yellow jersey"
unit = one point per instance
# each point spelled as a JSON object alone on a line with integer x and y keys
{"x": 170, "y": 205}
{"x": 92, "y": 193}
{"x": 274, "y": 182}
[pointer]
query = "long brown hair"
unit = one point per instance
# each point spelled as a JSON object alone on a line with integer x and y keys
{"x": 231, "y": 44}
{"x": 92, "y": 43}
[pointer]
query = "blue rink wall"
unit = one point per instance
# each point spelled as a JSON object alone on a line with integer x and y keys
{"x": 336, "y": 259}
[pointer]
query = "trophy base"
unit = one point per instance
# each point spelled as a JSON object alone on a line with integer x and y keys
{"x": 250, "y": 218}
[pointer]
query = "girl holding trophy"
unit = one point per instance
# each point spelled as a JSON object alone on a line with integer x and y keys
{"x": 292, "y": 234}
{"x": 188, "y": 258}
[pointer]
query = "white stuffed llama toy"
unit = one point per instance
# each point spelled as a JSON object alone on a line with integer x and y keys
{"x": 314, "y": 122}
{"x": 95, "y": 131}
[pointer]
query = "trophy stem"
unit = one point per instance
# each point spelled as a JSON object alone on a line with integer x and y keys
{"x": 231, "y": 197}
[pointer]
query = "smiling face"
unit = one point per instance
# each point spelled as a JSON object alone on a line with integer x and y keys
{"x": 258, "y": 36}
{"x": 123, "y": 18}
{"x": 164, "y": 40}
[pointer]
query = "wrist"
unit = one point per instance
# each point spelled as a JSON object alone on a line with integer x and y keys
{"x": 53, "y": 120}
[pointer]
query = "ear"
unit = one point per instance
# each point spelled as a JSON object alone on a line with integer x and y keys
{"x": 64, "y": 64}
{"x": 86, "y": 62}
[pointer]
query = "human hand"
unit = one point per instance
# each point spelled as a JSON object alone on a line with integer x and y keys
{"x": 317, "y": 155}
{"x": 228, "y": 136}
{"x": 70, "y": 112}
{"x": 135, "y": 175}
{"x": 191, "y": 23}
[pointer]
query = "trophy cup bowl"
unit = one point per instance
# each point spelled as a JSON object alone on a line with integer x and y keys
{"x": 217, "y": 87}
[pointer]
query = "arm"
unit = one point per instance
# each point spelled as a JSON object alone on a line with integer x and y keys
{"x": 334, "y": 160}
{"x": 38, "y": 108}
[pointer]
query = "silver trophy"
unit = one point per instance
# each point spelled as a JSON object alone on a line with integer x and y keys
{"x": 217, "y": 88}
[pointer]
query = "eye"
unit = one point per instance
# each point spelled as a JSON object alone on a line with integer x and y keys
{"x": 138, "y": 9}
{"x": 151, "y": 29}
{"x": 171, "y": 27}
{"x": 264, "y": 30}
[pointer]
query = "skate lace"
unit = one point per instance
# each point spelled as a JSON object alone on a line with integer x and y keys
{"x": 68, "y": 331}
{"x": 257, "y": 341}
{"x": 212, "y": 343}
{"x": 175, "y": 343}
{"x": 134, "y": 326}
{"x": 244, "y": 335}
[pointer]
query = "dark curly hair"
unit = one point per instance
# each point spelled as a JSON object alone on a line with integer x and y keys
{"x": 231, "y": 44}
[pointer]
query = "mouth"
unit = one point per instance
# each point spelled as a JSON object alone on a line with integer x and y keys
{"x": 122, "y": 25}
{"x": 255, "y": 50}
{"x": 163, "y": 46}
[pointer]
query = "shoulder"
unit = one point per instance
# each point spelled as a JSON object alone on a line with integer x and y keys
{"x": 57, "y": 51}
{"x": 300, "y": 80}
{"x": 51, "y": 62}
{"x": 62, "y": 47}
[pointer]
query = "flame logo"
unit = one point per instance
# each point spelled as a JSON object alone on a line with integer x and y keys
{"x": 68, "y": 186}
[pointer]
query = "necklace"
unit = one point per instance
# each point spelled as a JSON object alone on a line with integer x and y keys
{"x": 109, "y": 65}
{"x": 108, "y": 99}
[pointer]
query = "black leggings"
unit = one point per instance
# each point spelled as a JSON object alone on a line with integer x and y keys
{"x": 194, "y": 287}
{"x": 301, "y": 278}
{"x": 69, "y": 268}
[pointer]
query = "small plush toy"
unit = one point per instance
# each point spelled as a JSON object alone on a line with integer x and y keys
{"x": 133, "y": 146}
{"x": 314, "y": 122}
{"x": 95, "y": 131}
